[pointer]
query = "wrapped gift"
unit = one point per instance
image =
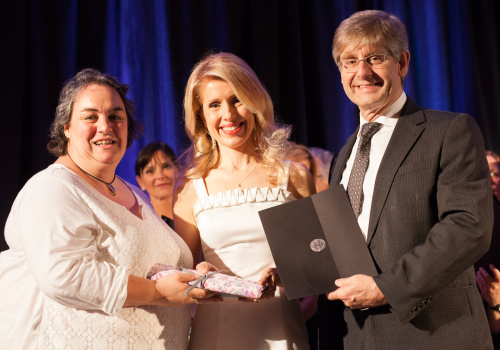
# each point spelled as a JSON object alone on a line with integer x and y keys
{"x": 213, "y": 281}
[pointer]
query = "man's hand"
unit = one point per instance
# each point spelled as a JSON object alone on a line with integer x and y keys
{"x": 358, "y": 292}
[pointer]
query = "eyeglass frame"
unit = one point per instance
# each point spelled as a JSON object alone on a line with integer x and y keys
{"x": 384, "y": 55}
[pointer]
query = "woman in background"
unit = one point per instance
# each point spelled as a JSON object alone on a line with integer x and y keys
{"x": 156, "y": 170}
{"x": 301, "y": 154}
{"x": 237, "y": 169}
{"x": 322, "y": 159}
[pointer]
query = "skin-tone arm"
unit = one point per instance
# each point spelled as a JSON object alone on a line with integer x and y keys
{"x": 489, "y": 285}
{"x": 184, "y": 199}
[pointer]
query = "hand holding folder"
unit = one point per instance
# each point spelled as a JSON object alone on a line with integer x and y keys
{"x": 316, "y": 240}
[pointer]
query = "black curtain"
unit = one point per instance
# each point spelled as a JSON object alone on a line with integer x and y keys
{"x": 153, "y": 45}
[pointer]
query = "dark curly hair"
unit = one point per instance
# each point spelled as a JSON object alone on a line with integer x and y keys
{"x": 58, "y": 144}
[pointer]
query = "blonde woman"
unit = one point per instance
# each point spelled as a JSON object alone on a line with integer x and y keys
{"x": 236, "y": 170}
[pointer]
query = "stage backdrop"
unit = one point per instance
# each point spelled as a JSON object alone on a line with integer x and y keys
{"x": 152, "y": 46}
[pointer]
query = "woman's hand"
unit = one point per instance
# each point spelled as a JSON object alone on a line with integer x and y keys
{"x": 270, "y": 279}
{"x": 205, "y": 267}
{"x": 489, "y": 285}
{"x": 172, "y": 289}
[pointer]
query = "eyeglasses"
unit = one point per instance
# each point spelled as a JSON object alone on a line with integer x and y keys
{"x": 351, "y": 65}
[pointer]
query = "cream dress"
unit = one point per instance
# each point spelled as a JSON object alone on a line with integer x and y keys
{"x": 234, "y": 241}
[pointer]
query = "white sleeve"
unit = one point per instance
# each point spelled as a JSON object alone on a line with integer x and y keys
{"x": 58, "y": 233}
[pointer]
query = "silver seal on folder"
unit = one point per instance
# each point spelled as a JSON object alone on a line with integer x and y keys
{"x": 317, "y": 245}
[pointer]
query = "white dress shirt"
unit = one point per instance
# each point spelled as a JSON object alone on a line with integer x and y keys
{"x": 379, "y": 144}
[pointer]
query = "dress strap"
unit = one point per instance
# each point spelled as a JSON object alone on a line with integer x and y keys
{"x": 199, "y": 186}
{"x": 284, "y": 182}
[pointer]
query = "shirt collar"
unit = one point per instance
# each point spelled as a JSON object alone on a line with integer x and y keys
{"x": 390, "y": 115}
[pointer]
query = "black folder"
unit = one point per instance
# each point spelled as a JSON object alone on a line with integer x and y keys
{"x": 316, "y": 240}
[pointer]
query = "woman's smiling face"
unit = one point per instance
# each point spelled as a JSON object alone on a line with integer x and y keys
{"x": 228, "y": 121}
{"x": 98, "y": 130}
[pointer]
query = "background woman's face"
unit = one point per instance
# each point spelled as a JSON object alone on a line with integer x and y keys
{"x": 495, "y": 175}
{"x": 158, "y": 176}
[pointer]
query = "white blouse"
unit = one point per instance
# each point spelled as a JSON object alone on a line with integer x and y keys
{"x": 63, "y": 281}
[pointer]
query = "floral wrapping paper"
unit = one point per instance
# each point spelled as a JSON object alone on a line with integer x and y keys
{"x": 217, "y": 282}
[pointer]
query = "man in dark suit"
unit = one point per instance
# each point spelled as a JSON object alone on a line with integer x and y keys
{"x": 424, "y": 202}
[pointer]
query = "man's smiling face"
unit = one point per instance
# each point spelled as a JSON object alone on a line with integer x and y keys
{"x": 374, "y": 89}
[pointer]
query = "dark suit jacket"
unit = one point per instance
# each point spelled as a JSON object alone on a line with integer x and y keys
{"x": 431, "y": 219}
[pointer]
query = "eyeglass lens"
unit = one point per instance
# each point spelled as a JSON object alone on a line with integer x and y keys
{"x": 351, "y": 65}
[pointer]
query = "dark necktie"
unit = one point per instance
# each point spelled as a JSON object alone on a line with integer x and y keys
{"x": 355, "y": 184}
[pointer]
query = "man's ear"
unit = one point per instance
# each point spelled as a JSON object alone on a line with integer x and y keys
{"x": 404, "y": 64}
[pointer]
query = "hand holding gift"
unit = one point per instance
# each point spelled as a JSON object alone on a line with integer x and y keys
{"x": 270, "y": 279}
{"x": 215, "y": 281}
{"x": 174, "y": 289}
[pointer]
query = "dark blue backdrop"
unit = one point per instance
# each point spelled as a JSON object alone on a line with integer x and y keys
{"x": 152, "y": 46}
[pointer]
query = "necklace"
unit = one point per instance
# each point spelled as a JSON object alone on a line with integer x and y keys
{"x": 111, "y": 189}
{"x": 239, "y": 183}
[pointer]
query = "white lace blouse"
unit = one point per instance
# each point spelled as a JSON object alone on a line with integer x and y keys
{"x": 63, "y": 281}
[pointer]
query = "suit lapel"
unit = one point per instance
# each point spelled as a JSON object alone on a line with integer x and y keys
{"x": 406, "y": 133}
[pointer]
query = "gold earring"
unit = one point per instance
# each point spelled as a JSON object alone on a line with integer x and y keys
{"x": 197, "y": 140}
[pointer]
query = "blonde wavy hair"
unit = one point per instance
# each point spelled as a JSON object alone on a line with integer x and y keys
{"x": 270, "y": 140}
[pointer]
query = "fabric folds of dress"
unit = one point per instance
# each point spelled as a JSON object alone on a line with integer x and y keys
{"x": 240, "y": 196}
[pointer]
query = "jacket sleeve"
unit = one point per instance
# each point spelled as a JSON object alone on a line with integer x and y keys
{"x": 461, "y": 234}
